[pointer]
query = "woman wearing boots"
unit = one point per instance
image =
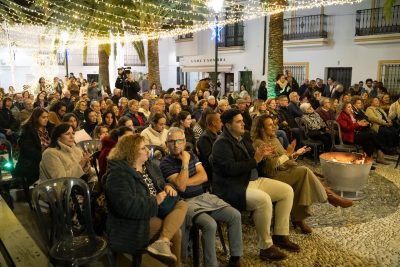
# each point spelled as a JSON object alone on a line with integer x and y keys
{"x": 283, "y": 167}
{"x": 358, "y": 132}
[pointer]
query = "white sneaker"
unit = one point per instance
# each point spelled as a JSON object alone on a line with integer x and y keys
{"x": 161, "y": 250}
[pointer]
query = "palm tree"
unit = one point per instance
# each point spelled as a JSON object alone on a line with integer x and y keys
{"x": 153, "y": 62}
{"x": 275, "y": 47}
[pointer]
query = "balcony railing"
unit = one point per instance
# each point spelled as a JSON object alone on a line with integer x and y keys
{"x": 185, "y": 36}
{"x": 91, "y": 60}
{"x": 132, "y": 60}
{"x": 232, "y": 35}
{"x": 372, "y": 21}
{"x": 307, "y": 27}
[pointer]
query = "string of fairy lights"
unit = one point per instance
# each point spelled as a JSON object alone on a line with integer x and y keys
{"x": 135, "y": 20}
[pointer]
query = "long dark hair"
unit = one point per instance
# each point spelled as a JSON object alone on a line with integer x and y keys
{"x": 57, "y": 132}
{"x": 263, "y": 85}
{"x": 114, "y": 123}
{"x": 56, "y": 107}
{"x": 32, "y": 121}
{"x": 202, "y": 120}
{"x": 182, "y": 116}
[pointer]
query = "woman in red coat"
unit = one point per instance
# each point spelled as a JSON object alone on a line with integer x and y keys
{"x": 359, "y": 132}
{"x": 107, "y": 143}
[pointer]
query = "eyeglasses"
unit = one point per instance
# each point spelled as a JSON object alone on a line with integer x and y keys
{"x": 177, "y": 141}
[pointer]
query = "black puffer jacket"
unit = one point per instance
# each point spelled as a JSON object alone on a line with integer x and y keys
{"x": 130, "y": 205}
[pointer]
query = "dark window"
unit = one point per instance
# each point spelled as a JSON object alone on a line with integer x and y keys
{"x": 185, "y": 36}
{"x": 232, "y": 35}
{"x": 390, "y": 77}
{"x": 341, "y": 75}
{"x": 61, "y": 58}
{"x": 299, "y": 72}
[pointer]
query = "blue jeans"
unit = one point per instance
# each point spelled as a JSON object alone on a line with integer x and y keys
{"x": 208, "y": 226}
{"x": 282, "y": 138}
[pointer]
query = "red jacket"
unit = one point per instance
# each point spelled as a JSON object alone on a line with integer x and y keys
{"x": 106, "y": 145}
{"x": 348, "y": 127}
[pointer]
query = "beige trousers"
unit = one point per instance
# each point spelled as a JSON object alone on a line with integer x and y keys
{"x": 260, "y": 195}
{"x": 170, "y": 228}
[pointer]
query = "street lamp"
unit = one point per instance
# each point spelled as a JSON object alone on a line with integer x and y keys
{"x": 65, "y": 36}
{"x": 216, "y": 6}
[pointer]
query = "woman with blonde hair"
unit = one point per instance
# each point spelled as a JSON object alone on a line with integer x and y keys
{"x": 259, "y": 108}
{"x": 173, "y": 112}
{"x": 143, "y": 209}
{"x": 282, "y": 166}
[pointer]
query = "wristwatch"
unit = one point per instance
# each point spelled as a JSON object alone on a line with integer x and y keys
{"x": 184, "y": 168}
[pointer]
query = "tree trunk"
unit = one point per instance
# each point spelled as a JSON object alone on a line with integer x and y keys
{"x": 275, "y": 51}
{"x": 104, "y": 56}
{"x": 153, "y": 61}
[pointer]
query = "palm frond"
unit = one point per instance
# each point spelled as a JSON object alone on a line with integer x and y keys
{"x": 387, "y": 9}
{"x": 139, "y": 47}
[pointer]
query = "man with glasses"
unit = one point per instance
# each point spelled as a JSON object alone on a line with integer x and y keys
{"x": 186, "y": 173}
{"x": 236, "y": 180}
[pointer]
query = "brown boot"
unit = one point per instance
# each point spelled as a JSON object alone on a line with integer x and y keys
{"x": 305, "y": 229}
{"x": 282, "y": 241}
{"x": 272, "y": 253}
{"x": 381, "y": 157}
{"x": 336, "y": 200}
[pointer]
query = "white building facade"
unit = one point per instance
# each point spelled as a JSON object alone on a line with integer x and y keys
{"x": 319, "y": 43}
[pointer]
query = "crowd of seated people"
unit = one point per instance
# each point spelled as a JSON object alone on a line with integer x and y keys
{"x": 223, "y": 156}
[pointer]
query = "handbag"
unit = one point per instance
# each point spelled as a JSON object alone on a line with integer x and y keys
{"x": 167, "y": 206}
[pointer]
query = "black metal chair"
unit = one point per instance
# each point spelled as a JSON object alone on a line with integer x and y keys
{"x": 90, "y": 146}
{"x": 335, "y": 129}
{"x": 61, "y": 197}
{"x": 314, "y": 144}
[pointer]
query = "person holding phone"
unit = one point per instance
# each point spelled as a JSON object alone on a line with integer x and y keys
{"x": 281, "y": 165}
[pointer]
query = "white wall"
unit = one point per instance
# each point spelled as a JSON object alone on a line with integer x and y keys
{"x": 342, "y": 51}
{"x": 251, "y": 58}
{"x": 168, "y": 64}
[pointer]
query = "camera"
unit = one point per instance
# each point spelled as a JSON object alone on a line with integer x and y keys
{"x": 124, "y": 71}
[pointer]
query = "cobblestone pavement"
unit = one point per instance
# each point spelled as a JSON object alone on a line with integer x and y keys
{"x": 367, "y": 234}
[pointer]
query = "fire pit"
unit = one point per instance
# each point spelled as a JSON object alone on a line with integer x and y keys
{"x": 346, "y": 173}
